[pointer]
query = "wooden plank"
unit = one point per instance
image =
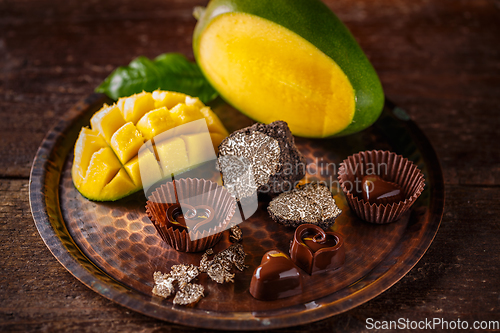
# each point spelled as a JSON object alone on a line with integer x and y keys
{"x": 446, "y": 80}
{"x": 443, "y": 74}
{"x": 457, "y": 277}
{"x": 438, "y": 60}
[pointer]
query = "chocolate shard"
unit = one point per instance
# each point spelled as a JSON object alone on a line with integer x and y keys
{"x": 205, "y": 261}
{"x": 219, "y": 268}
{"x": 189, "y": 295}
{"x": 183, "y": 274}
{"x": 309, "y": 203}
{"x": 235, "y": 234}
{"x": 219, "y": 272}
{"x": 180, "y": 274}
{"x": 164, "y": 284}
{"x": 260, "y": 158}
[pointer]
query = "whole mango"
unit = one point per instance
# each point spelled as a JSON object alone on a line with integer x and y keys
{"x": 290, "y": 60}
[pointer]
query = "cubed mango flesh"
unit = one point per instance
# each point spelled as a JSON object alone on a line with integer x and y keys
{"x": 186, "y": 113}
{"x": 126, "y": 142}
{"x": 199, "y": 148}
{"x": 173, "y": 155}
{"x": 102, "y": 168}
{"x": 121, "y": 183}
{"x": 107, "y": 120}
{"x": 87, "y": 144}
{"x": 136, "y": 106}
{"x": 155, "y": 122}
{"x": 140, "y": 140}
{"x": 167, "y": 99}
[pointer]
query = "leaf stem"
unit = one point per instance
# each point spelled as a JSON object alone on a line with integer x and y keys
{"x": 198, "y": 12}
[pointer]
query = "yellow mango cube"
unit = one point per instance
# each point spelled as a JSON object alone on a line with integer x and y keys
{"x": 102, "y": 168}
{"x": 155, "y": 122}
{"x": 121, "y": 103}
{"x": 87, "y": 144}
{"x": 149, "y": 167}
{"x": 126, "y": 142}
{"x": 213, "y": 122}
{"x": 173, "y": 156}
{"x": 121, "y": 183}
{"x": 199, "y": 147}
{"x": 195, "y": 101}
{"x": 167, "y": 99}
{"x": 107, "y": 120}
{"x": 185, "y": 113}
{"x": 133, "y": 170}
{"x": 135, "y": 106}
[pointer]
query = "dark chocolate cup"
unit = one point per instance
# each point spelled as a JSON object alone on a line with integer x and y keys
{"x": 194, "y": 192}
{"x": 396, "y": 169}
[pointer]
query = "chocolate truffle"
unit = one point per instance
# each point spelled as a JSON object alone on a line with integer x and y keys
{"x": 309, "y": 203}
{"x": 260, "y": 158}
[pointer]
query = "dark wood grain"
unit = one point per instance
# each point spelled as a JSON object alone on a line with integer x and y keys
{"x": 439, "y": 60}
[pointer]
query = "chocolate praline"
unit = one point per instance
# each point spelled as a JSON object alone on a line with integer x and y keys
{"x": 379, "y": 191}
{"x": 315, "y": 250}
{"x": 276, "y": 277}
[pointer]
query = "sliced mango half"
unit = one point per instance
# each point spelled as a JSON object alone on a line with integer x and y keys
{"x": 142, "y": 139}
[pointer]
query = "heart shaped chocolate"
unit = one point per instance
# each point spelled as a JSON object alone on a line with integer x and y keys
{"x": 276, "y": 277}
{"x": 199, "y": 217}
{"x": 175, "y": 217}
{"x": 378, "y": 191}
{"x": 315, "y": 250}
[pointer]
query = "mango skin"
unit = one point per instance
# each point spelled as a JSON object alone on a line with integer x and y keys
{"x": 315, "y": 22}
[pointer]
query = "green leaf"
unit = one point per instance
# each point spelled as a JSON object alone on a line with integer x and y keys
{"x": 169, "y": 71}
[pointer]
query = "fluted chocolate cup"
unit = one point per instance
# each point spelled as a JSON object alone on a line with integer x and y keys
{"x": 391, "y": 168}
{"x": 196, "y": 193}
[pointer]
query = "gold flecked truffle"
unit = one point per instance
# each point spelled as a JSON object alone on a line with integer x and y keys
{"x": 247, "y": 162}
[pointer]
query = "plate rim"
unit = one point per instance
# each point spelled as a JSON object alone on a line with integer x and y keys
{"x": 59, "y": 241}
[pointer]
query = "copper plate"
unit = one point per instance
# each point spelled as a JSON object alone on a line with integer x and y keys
{"x": 114, "y": 249}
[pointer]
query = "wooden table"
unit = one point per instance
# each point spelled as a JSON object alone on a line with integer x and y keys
{"x": 439, "y": 60}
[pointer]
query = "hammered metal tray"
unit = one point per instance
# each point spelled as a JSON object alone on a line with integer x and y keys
{"x": 114, "y": 249}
